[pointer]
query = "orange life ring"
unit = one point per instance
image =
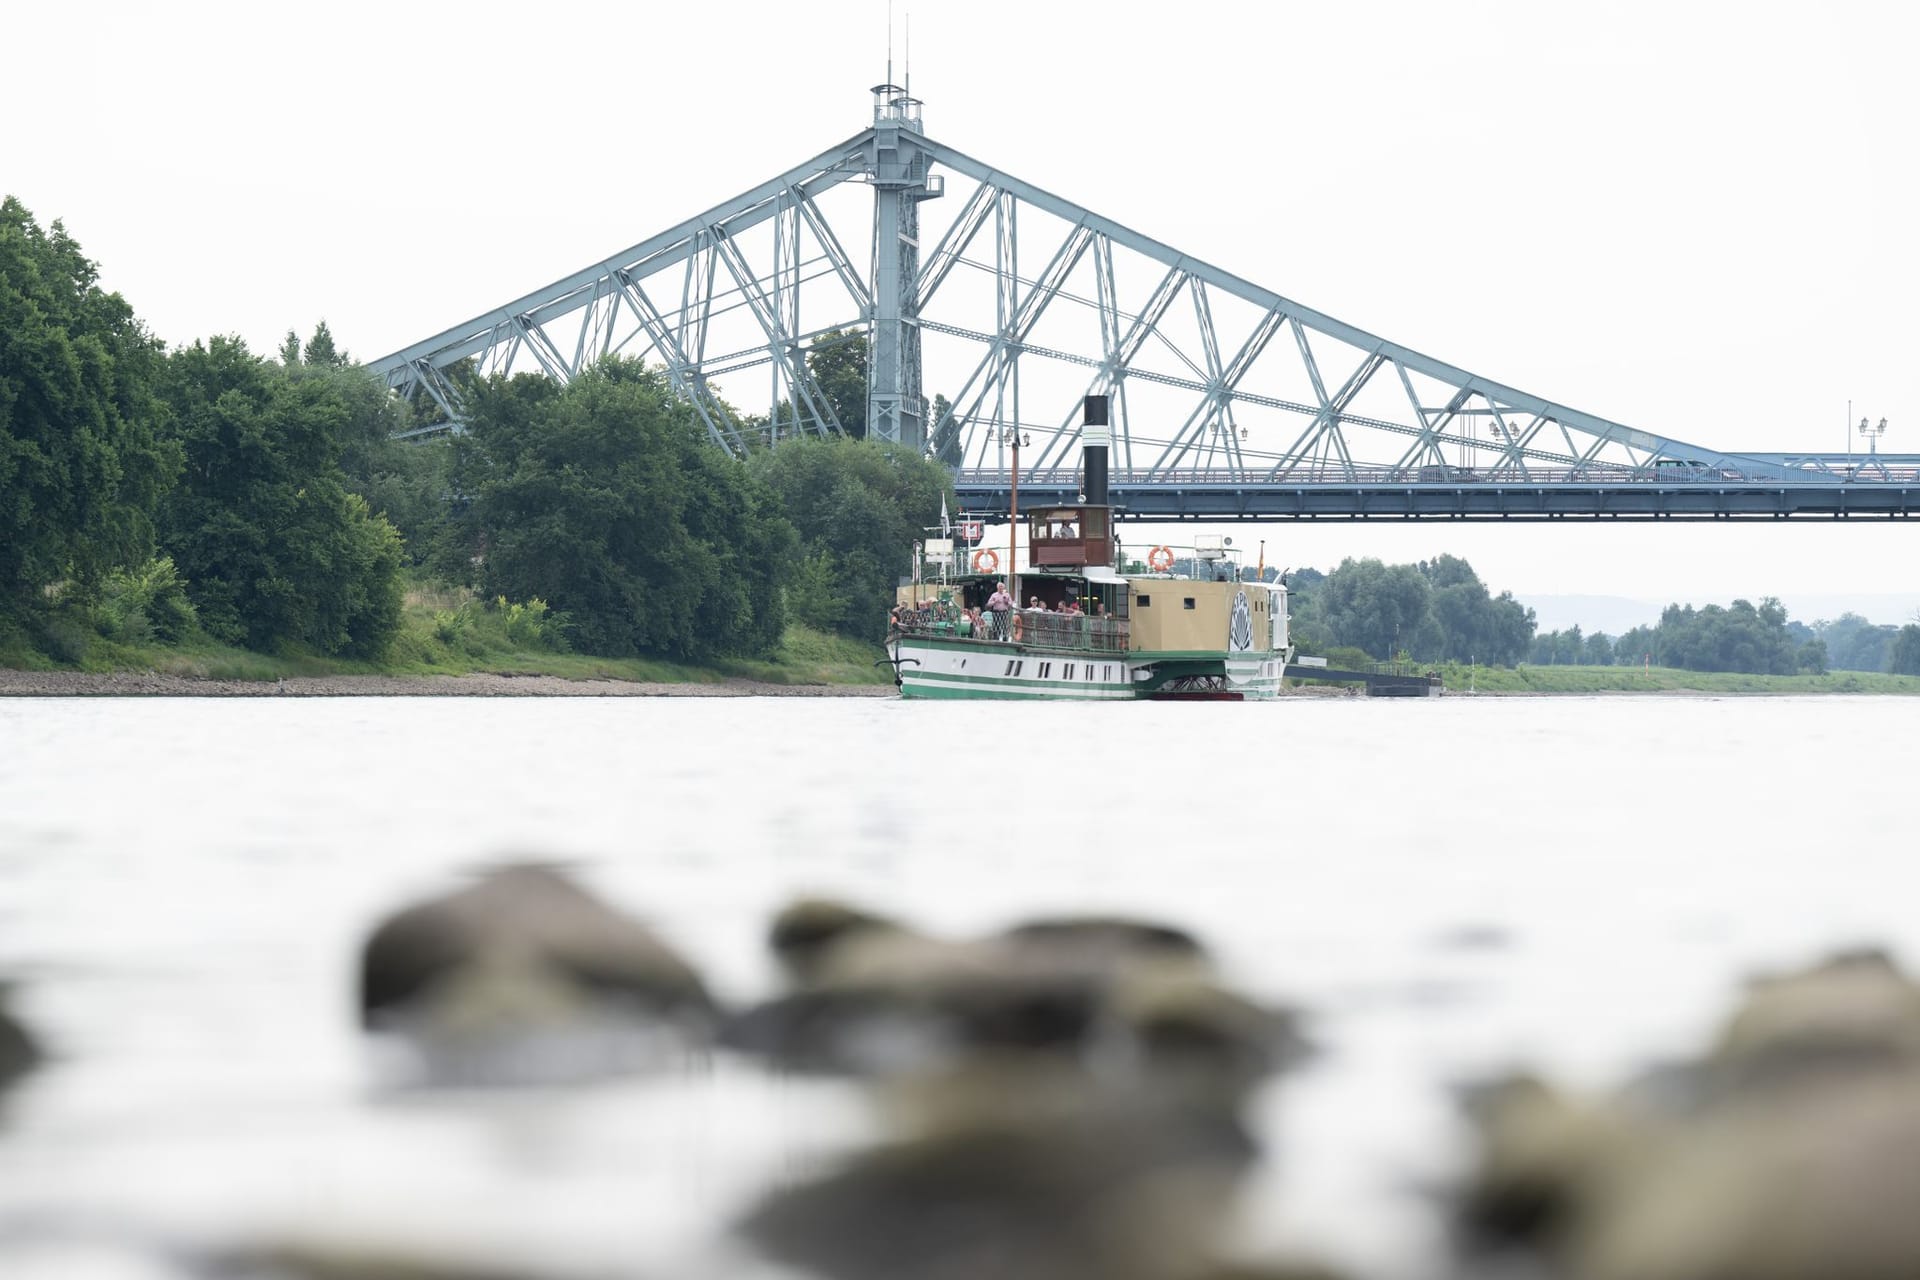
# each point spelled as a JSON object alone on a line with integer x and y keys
{"x": 1160, "y": 559}
{"x": 986, "y": 560}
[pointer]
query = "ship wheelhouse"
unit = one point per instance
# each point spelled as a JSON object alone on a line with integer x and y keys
{"x": 1070, "y": 537}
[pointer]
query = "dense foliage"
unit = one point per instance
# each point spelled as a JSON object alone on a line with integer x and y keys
{"x": 604, "y": 498}
{"x": 1854, "y": 644}
{"x": 406, "y": 481}
{"x": 1756, "y": 640}
{"x": 275, "y": 547}
{"x": 1434, "y": 611}
{"x": 269, "y": 502}
{"x": 1904, "y": 657}
{"x": 859, "y": 506}
{"x": 838, "y": 362}
{"x": 81, "y": 460}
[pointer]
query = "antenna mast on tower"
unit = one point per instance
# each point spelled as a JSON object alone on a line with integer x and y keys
{"x": 897, "y": 167}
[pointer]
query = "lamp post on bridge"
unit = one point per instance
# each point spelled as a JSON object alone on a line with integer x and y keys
{"x": 1873, "y": 432}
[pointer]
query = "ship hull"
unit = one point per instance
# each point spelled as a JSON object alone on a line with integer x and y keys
{"x": 940, "y": 667}
{"x": 933, "y": 667}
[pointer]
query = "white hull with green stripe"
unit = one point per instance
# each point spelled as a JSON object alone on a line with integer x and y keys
{"x": 941, "y": 667}
{"x": 937, "y": 667}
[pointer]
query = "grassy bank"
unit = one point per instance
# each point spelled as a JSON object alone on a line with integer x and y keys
{"x": 1529, "y": 679}
{"x": 446, "y": 632}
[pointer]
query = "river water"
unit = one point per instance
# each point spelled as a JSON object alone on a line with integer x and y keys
{"x": 1448, "y": 888}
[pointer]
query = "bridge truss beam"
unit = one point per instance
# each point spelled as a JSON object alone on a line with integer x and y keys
{"x": 1229, "y": 399}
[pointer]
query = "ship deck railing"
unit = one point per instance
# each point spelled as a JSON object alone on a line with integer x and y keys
{"x": 1072, "y": 633}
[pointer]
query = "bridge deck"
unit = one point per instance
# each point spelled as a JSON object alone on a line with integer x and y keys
{"x": 1537, "y": 498}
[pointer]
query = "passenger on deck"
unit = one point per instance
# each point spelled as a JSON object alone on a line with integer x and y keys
{"x": 1000, "y": 605}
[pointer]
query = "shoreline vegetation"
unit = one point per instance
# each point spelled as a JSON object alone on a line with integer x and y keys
{"x": 1527, "y": 680}
{"x": 475, "y": 684}
{"x": 450, "y": 643}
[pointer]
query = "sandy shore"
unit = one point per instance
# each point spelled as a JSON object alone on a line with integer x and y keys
{"x": 77, "y": 684}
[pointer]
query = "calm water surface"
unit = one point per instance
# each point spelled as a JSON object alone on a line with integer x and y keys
{"x": 1449, "y": 888}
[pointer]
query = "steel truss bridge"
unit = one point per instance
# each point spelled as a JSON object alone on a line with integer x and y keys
{"x": 1010, "y": 303}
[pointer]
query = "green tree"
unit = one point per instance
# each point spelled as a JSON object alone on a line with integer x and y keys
{"x": 944, "y": 442}
{"x": 838, "y": 362}
{"x": 81, "y": 463}
{"x": 1636, "y": 647}
{"x": 1303, "y": 614}
{"x": 1854, "y": 644}
{"x": 1509, "y": 629}
{"x": 1448, "y": 571}
{"x": 858, "y": 505}
{"x": 1379, "y": 608}
{"x": 1903, "y": 657}
{"x": 604, "y": 498}
{"x": 277, "y": 550}
{"x": 405, "y": 481}
{"x": 1372, "y": 606}
{"x": 1559, "y": 648}
{"x": 1740, "y": 637}
{"x": 320, "y": 351}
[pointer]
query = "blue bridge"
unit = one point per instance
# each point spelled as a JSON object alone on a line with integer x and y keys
{"x": 985, "y": 308}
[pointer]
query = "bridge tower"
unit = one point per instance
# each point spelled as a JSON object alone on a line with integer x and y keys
{"x": 898, "y": 165}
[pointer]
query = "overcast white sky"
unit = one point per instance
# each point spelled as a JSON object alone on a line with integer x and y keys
{"x": 1698, "y": 219}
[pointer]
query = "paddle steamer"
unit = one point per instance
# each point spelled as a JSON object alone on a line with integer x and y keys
{"x": 1087, "y": 622}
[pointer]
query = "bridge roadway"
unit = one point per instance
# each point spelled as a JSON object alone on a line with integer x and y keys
{"x": 1361, "y": 493}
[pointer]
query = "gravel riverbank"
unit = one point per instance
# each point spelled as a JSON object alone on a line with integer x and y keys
{"x": 81, "y": 684}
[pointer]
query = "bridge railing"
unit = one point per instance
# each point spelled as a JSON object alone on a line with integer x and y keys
{"x": 1440, "y": 476}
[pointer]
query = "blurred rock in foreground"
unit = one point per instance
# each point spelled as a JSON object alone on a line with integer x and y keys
{"x": 525, "y": 977}
{"x": 872, "y": 997}
{"x": 1044, "y": 1187}
{"x": 1789, "y": 1150}
{"x": 1063, "y": 1100}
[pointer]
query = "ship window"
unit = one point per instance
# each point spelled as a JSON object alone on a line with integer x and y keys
{"x": 1046, "y": 669}
{"x": 1009, "y": 670}
{"x": 1069, "y": 671}
{"x": 1143, "y": 601}
{"x": 1189, "y": 602}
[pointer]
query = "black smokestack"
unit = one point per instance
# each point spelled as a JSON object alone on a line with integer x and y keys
{"x": 1094, "y": 436}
